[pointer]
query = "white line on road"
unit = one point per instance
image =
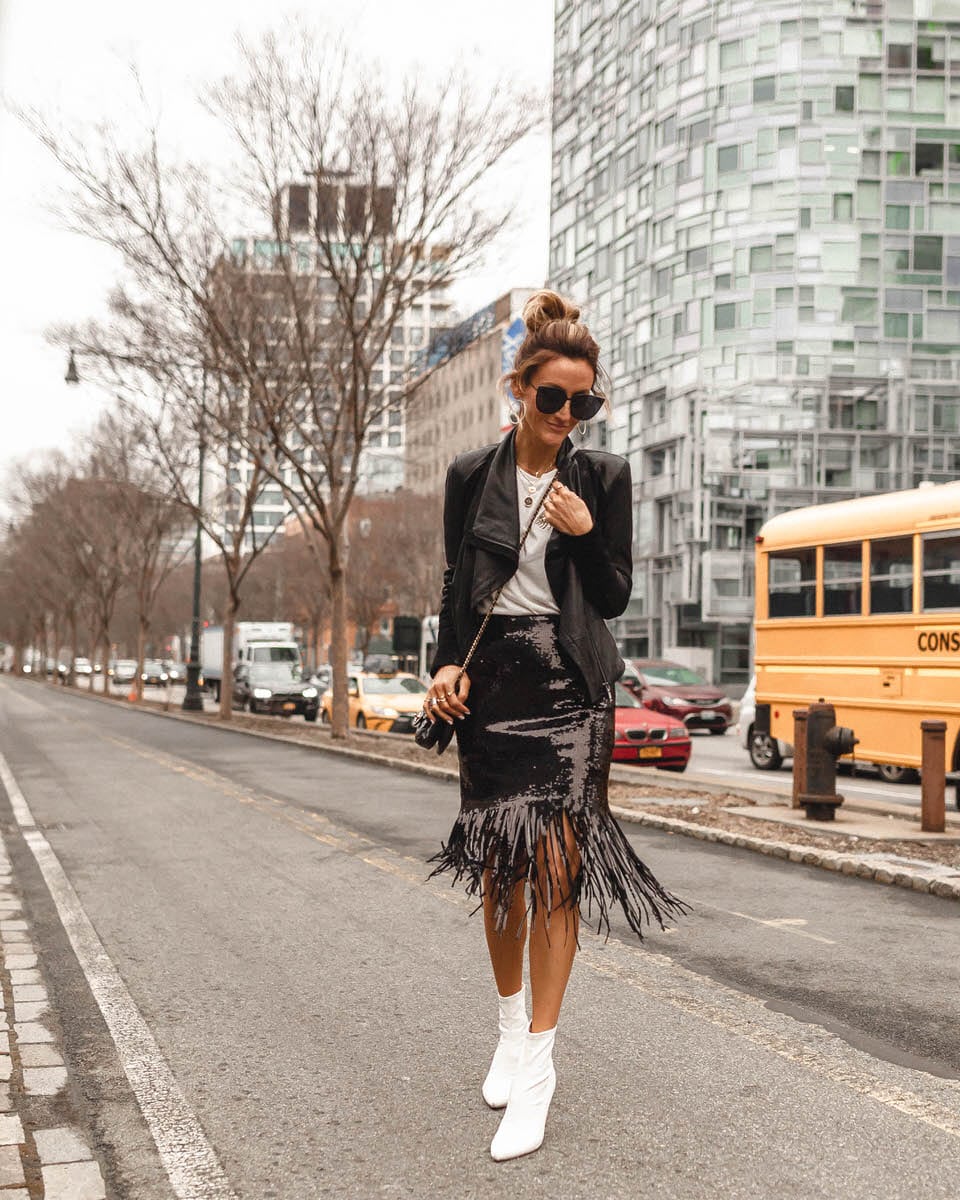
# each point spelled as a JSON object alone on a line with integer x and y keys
{"x": 187, "y": 1156}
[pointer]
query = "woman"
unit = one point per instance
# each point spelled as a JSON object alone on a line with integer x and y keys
{"x": 551, "y": 526}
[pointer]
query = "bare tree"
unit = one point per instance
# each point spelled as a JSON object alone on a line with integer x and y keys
{"x": 364, "y": 203}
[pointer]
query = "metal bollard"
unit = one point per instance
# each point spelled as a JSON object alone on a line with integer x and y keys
{"x": 933, "y": 776}
{"x": 799, "y": 755}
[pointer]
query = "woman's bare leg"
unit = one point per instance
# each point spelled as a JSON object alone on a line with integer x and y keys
{"x": 552, "y": 948}
{"x": 506, "y": 948}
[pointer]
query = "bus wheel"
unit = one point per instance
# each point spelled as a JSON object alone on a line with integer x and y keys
{"x": 894, "y": 774}
{"x": 764, "y": 752}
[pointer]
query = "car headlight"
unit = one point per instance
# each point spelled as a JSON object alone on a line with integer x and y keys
{"x": 144, "y": 675}
{"x": 678, "y": 733}
{"x": 384, "y": 712}
{"x": 164, "y": 675}
{"x": 309, "y": 693}
{"x": 262, "y": 693}
{"x": 674, "y": 701}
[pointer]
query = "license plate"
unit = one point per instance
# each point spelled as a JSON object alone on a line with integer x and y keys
{"x": 649, "y": 752}
{"x": 289, "y": 706}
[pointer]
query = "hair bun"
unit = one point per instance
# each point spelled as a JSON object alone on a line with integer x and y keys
{"x": 546, "y": 306}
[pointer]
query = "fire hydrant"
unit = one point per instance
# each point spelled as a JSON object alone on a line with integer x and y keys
{"x": 826, "y": 742}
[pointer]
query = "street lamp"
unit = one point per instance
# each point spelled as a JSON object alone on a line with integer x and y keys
{"x": 193, "y": 700}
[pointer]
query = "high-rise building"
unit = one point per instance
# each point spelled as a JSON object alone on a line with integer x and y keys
{"x": 760, "y": 206}
{"x": 334, "y": 206}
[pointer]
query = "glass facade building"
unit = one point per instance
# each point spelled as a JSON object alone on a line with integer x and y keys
{"x": 759, "y": 205}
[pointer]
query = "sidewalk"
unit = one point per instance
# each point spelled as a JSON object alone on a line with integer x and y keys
{"x": 39, "y": 1156}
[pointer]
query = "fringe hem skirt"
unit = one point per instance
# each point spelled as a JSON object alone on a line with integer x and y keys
{"x": 534, "y": 763}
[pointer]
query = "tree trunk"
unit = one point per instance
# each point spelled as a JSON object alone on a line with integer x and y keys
{"x": 338, "y": 642}
{"x": 226, "y": 666}
{"x": 71, "y": 679}
{"x": 105, "y": 660}
{"x": 141, "y": 651}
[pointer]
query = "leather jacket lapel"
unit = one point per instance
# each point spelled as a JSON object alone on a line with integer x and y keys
{"x": 496, "y": 527}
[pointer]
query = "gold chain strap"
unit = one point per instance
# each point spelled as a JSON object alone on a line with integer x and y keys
{"x": 496, "y": 597}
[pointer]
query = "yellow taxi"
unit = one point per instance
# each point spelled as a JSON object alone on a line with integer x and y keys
{"x": 386, "y": 703}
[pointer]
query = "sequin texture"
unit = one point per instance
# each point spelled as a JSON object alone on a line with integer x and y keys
{"x": 532, "y": 751}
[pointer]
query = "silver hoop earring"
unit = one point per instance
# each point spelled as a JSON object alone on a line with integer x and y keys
{"x": 514, "y": 417}
{"x": 583, "y": 430}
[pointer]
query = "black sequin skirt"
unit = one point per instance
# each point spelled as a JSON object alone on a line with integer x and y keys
{"x": 534, "y": 763}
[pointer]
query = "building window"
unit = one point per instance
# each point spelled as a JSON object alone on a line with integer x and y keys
{"x": 722, "y": 283}
{"x": 928, "y": 254}
{"x": 806, "y": 110}
{"x": 929, "y": 157}
{"x": 786, "y": 136}
{"x": 698, "y": 258}
{"x": 725, "y": 316}
{"x": 899, "y": 57}
{"x": 728, "y": 158}
{"x": 843, "y": 99}
{"x": 761, "y": 258}
{"x": 898, "y": 216}
{"x": 804, "y": 218}
{"x": 843, "y": 206}
{"x": 895, "y": 325}
{"x": 765, "y": 88}
{"x": 699, "y": 131}
{"x": 731, "y": 54}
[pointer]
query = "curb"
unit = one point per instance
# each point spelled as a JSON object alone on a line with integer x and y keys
{"x": 811, "y": 856}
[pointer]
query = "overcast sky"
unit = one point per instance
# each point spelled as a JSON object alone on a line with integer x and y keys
{"x": 72, "y": 61}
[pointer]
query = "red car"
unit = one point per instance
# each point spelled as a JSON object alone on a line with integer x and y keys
{"x": 675, "y": 690}
{"x": 653, "y": 739}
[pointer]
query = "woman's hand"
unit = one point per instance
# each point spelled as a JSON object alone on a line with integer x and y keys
{"x": 565, "y": 511}
{"x": 446, "y": 698}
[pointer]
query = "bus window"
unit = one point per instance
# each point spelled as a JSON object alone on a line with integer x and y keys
{"x": 842, "y": 580}
{"x": 891, "y": 575}
{"x": 792, "y": 587}
{"x": 941, "y": 570}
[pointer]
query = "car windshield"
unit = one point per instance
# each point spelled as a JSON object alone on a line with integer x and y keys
{"x": 667, "y": 674}
{"x": 625, "y": 699}
{"x": 278, "y": 672}
{"x": 275, "y": 654}
{"x": 378, "y": 686}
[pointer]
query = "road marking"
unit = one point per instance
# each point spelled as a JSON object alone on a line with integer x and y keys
{"x": 785, "y": 924}
{"x": 188, "y": 1158}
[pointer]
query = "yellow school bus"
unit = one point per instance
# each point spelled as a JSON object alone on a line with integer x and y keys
{"x": 858, "y": 603}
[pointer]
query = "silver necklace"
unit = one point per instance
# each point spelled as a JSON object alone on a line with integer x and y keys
{"x": 531, "y": 487}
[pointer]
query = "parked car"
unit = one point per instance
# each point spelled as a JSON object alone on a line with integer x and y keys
{"x": 768, "y": 754}
{"x": 176, "y": 672}
{"x": 274, "y": 687}
{"x": 674, "y": 689}
{"x": 650, "y": 738}
{"x": 82, "y": 666}
{"x": 154, "y": 674}
{"x": 123, "y": 671}
{"x": 387, "y": 703}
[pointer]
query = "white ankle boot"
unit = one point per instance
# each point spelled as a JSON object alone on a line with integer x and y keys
{"x": 522, "y": 1126}
{"x": 506, "y": 1057}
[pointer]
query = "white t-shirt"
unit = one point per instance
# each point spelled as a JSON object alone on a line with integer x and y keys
{"x": 527, "y": 593}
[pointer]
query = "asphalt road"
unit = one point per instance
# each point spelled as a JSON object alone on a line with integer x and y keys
{"x": 328, "y": 1013}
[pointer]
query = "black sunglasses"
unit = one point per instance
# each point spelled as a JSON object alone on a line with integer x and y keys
{"x": 583, "y": 405}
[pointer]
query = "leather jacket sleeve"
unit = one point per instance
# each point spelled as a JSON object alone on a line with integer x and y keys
{"x": 604, "y": 556}
{"x": 448, "y": 651}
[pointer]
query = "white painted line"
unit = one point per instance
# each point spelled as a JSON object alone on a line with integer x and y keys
{"x": 187, "y": 1156}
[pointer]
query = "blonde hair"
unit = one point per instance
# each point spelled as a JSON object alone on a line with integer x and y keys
{"x": 554, "y": 330}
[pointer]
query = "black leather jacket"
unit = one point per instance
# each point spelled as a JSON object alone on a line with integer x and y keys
{"x": 590, "y": 576}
